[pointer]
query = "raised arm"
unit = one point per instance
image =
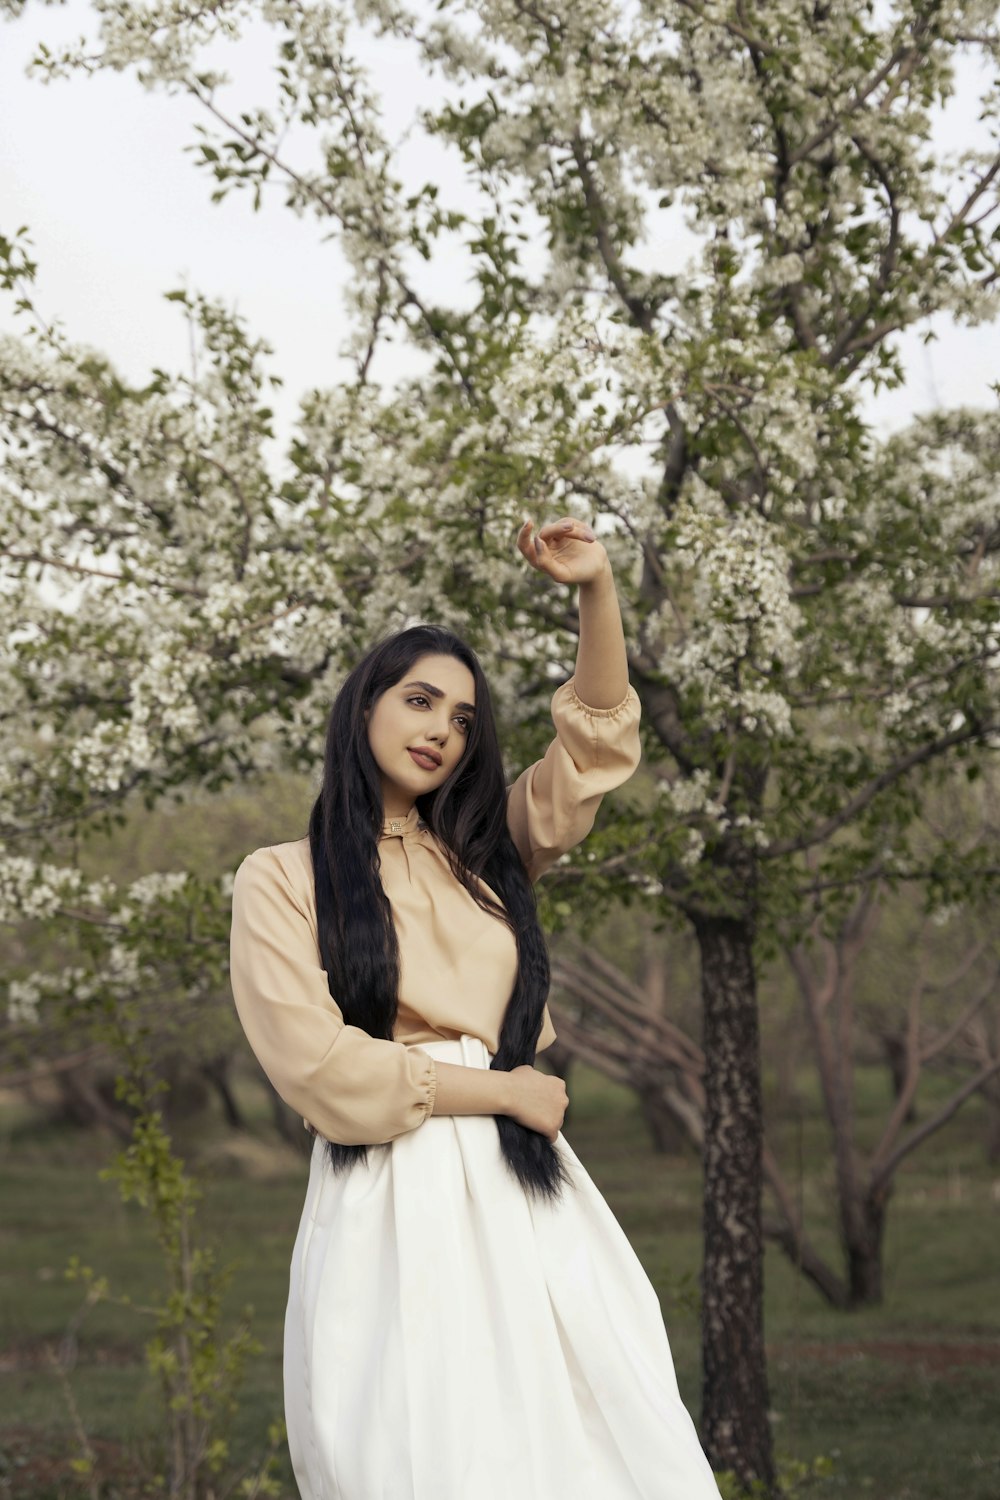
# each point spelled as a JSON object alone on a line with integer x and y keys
{"x": 569, "y": 551}
{"x": 552, "y": 805}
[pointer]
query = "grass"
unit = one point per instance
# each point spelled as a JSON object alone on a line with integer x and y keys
{"x": 904, "y": 1396}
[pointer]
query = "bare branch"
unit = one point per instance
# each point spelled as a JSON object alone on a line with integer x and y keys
{"x": 917, "y": 757}
{"x": 885, "y": 1170}
{"x": 170, "y": 586}
{"x": 789, "y": 1233}
{"x": 945, "y": 1039}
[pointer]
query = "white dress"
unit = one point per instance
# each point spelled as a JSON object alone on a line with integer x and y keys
{"x": 447, "y": 1337}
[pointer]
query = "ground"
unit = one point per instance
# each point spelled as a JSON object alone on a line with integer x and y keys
{"x": 902, "y": 1398}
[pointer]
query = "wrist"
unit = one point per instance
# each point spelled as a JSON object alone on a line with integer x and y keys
{"x": 603, "y": 581}
{"x": 505, "y": 1092}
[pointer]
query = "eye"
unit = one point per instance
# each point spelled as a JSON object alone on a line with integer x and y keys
{"x": 417, "y": 698}
{"x": 465, "y": 722}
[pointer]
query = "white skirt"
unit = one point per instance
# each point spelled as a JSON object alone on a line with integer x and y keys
{"x": 449, "y": 1338}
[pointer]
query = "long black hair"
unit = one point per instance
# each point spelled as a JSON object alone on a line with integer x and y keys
{"x": 467, "y": 813}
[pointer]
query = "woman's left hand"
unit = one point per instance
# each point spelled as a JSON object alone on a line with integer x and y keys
{"x": 565, "y": 549}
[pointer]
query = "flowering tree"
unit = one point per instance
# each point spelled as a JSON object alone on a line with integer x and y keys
{"x": 812, "y": 613}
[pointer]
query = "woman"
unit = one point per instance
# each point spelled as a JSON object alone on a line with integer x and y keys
{"x": 466, "y": 1319}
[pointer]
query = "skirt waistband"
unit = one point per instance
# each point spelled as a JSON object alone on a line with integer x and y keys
{"x": 465, "y": 1051}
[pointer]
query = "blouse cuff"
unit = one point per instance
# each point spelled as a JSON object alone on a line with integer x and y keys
{"x": 569, "y": 688}
{"x": 430, "y": 1082}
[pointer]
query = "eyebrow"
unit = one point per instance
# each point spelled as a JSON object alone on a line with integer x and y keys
{"x": 436, "y": 692}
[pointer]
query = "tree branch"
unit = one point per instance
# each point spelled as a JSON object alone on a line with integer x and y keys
{"x": 900, "y": 55}
{"x": 636, "y": 307}
{"x": 920, "y": 756}
{"x": 961, "y": 214}
{"x": 882, "y": 1174}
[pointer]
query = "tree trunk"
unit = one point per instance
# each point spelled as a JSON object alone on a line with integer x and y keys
{"x": 864, "y": 1236}
{"x": 894, "y": 1048}
{"x": 216, "y": 1070}
{"x": 665, "y": 1134}
{"x": 735, "y": 1428}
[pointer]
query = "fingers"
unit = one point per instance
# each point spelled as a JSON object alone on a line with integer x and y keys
{"x": 534, "y": 548}
{"x": 564, "y": 528}
{"x": 525, "y": 544}
{"x": 537, "y": 547}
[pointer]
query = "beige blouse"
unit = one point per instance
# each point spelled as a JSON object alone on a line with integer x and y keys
{"x": 457, "y": 963}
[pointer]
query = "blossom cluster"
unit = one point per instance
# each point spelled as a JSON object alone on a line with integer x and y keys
{"x": 723, "y": 251}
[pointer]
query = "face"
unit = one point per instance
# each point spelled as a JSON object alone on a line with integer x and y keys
{"x": 429, "y": 710}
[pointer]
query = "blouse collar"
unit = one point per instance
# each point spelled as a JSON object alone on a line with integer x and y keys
{"x": 401, "y": 827}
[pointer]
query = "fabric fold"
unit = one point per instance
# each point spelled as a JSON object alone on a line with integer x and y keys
{"x": 448, "y": 1338}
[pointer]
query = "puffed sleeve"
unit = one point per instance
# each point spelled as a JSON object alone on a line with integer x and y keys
{"x": 353, "y": 1088}
{"x": 552, "y": 805}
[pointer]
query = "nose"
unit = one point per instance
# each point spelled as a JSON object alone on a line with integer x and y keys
{"x": 438, "y": 735}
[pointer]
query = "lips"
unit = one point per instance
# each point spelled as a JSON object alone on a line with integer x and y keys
{"x": 428, "y": 760}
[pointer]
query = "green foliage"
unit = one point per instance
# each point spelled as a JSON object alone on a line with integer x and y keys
{"x": 796, "y": 1477}
{"x": 809, "y": 636}
{"x": 198, "y": 1366}
{"x": 812, "y": 612}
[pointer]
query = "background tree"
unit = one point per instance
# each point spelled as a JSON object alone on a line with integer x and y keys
{"x": 813, "y": 613}
{"x": 826, "y": 969}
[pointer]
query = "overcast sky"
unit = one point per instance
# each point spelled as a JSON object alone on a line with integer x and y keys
{"x": 119, "y": 215}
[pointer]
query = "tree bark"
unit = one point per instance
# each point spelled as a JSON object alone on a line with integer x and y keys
{"x": 735, "y": 1429}
{"x": 864, "y": 1232}
{"x": 894, "y": 1048}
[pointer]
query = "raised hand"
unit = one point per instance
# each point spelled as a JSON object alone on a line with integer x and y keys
{"x": 565, "y": 549}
